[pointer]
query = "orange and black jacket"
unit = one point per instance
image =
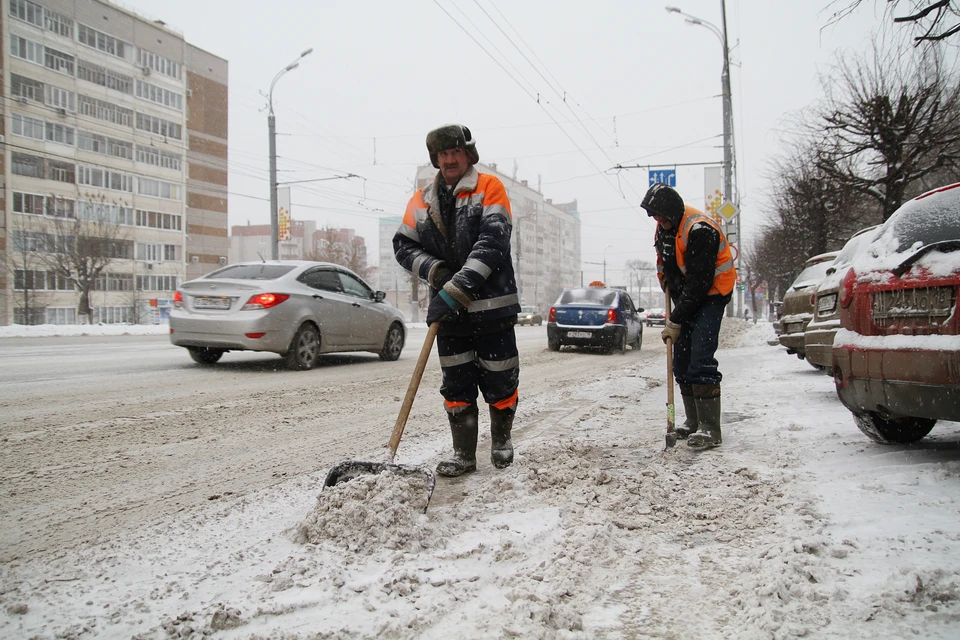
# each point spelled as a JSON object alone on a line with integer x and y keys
{"x": 470, "y": 236}
{"x": 695, "y": 261}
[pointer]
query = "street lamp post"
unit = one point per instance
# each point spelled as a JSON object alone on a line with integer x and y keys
{"x": 729, "y": 159}
{"x": 272, "y": 128}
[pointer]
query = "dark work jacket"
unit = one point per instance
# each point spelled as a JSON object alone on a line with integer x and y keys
{"x": 688, "y": 292}
{"x": 470, "y": 236}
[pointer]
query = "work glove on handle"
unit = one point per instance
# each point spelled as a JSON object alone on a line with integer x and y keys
{"x": 442, "y": 305}
{"x": 670, "y": 333}
{"x": 440, "y": 276}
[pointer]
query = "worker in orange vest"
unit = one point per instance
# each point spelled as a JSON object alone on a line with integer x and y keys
{"x": 694, "y": 260}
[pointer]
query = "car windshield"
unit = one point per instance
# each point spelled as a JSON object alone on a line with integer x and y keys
{"x": 853, "y": 246}
{"x": 599, "y": 297}
{"x": 252, "y": 271}
{"x": 811, "y": 275}
{"x": 929, "y": 219}
{"x": 528, "y": 309}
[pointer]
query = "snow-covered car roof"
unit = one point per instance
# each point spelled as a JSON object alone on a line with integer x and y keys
{"x": 931, "y": 219}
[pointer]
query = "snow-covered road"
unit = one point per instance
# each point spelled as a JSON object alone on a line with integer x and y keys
{"x": 797, "y": 527}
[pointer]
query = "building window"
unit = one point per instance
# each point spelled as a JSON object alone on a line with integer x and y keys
{"x": 97, "y": 143}
{"x": 58, "y": 61}
{"x": 27, "y": 165}
{"x": 156, "y": 283}
{"x": 152, "y": 155}
{"x": 149, "y": 251}
{"x": 150, "y": 60}
{"x": 153, "y": 93}
{"x": 104, "y": 77}
{"x": 27, "y": 127}
{"x": 103, "y": 212}
{"x": 60, "y": 133}
{"x": 159, "y": 189}
{"x": 102, "y": 110}
{"x": 28, "y": 88}
{"x": 159, "y": 126}
{"x": 101, "y": 41}
{"x": 113, "y": 315}
{"x": 28, "y": 203}
{"x": 57, "y": 23}
{"x": 59, "y": 98}
{"x": 159, "y": 220}
{"x": 27, "y": 11}
{"x": 58, "y": 207}
{"x": 61, "y": 315}
{"x": 26, "y": 49}
{"x": 61, "y": 171}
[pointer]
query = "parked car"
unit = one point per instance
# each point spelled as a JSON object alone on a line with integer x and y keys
{"x": 594, "y": 317}
{"x": 896, "y": 359}
{"x": 529, "y": 315}
{"x": 818, "y": 336}
{"x": 657, "y": 316}
{"x": 797, "y": 309}
{"x": 296, "y": 309}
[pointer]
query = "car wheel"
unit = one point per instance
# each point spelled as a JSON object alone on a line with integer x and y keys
{"x": 205, "y": 355}
{"x": 621, "y": 347}
{"x": 393, "y": 345}
{"x": 553, "y": 345}
{"x": 639, "y": 341}
{"x": 304, "y": 348}
{"x": 892, "y": 430}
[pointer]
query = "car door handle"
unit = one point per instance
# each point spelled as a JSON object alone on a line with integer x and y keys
{"x": 318, "y": 296}
{"x": 355, "y": 304}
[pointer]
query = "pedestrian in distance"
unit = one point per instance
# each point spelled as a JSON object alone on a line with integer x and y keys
{"x": 695, "y": 262}
{"x": 455, "y": 236}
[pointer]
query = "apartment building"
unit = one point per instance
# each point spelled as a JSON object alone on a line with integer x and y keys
{"x": 545, "y": 244}
{"x": 115, "y": 128}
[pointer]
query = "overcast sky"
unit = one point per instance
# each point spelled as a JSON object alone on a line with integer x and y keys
{"x": 641, "y": 82}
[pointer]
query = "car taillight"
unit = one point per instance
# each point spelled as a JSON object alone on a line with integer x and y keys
{"x": 177, "y": 300}
{"x": 552, "y": 317}
{"x": 813, "y": 299}
{"x": 846, "y": 288}
{"x": 611, "y": 316}
{"x": 264, "y": 301}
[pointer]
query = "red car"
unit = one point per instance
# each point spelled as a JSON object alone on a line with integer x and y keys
{"x": 896, "y": 359}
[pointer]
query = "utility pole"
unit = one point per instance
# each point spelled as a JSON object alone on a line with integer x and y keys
{"x": 272, "y": 130}
{"x": 729, "y": 157}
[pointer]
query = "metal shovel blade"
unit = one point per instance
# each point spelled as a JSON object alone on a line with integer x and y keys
{"x": 350, "y": 469}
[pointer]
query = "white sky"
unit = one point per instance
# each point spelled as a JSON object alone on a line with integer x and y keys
{"x": 383, "y": 73}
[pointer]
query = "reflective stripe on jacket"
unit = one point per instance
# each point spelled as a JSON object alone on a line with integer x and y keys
{"x": 724, "y": 274}
{"x": 476, "y": 250}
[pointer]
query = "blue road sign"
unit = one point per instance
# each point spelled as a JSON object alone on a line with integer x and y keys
{"x": 666, "y": 176}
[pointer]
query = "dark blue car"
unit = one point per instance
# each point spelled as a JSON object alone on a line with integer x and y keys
{"x": 594, "y": 317}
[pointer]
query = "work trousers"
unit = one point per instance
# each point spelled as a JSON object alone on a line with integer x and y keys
{"x": 487, "y": 364}
{"x": 694, "y": 350}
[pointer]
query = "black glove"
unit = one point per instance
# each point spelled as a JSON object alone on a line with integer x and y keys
{"x": 440, "y": 277}
{"x": 441, "y": 305}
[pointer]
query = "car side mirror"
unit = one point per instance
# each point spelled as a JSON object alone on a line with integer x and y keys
{"x": 379, "y": 296}
{"x": 640, "y": 310}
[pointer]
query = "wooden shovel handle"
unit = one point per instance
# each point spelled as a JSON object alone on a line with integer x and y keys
{"x": 412, "y": 389}
{"x": 670, "y": 405}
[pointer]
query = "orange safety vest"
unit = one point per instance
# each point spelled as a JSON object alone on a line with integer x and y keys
{"x": 724, "y": 274}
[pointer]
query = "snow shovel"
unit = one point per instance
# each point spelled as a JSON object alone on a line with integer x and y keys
{"x": 671, "y": 436}
{"x": 350, "y": 469}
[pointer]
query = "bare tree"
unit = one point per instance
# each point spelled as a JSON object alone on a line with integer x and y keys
{"x": 645, "y": 274}
{"x": 335, "y": 248}
{"x": 887, "y": 123}
{"x": 29, "y": 242}
{"x": 932, "y": 20}
{"x": 85, "y": 245}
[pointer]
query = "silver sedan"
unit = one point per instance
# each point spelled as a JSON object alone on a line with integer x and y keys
{"x": 296, "y": 309}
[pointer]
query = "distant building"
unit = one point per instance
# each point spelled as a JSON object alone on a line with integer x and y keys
{"x": 545, "y": 244}
{"x": 109, "y": 115}
{"x": 252, "y": 242}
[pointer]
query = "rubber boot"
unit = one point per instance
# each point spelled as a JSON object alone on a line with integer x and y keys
{"x": 463, "y": 428}
{"x": 707, "y": 398}
{"x": 690, "y": 410}
{"x": 501, "y": 447}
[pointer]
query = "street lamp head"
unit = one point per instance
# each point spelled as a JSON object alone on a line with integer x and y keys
{"x": 307, "y": 52}
{"x": 673, "y": 9}
{"x": 696, "y": 21}
{"x": 291, "y": 67}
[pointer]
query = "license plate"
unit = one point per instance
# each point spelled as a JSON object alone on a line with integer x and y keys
{"x": 827, "y": 303}
{"x": 579, "y": 334}
{"x": 208, "y": 302}
{"x": 925, "y": 302}
{"x": 794, "y": 327}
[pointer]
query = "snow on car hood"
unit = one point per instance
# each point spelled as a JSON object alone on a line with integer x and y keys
{"x": 852, "y": 339}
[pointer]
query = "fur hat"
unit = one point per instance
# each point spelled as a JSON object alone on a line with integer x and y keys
{"x": 451, "y": 136}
